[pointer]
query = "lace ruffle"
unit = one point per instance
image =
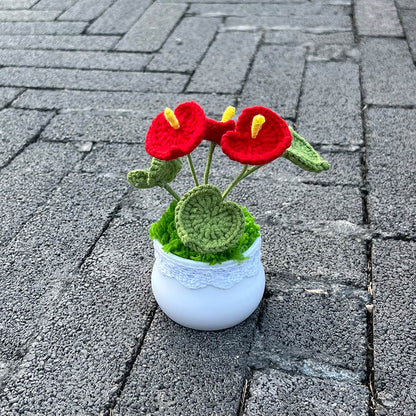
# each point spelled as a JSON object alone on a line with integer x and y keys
{"x": 196, "y": 275}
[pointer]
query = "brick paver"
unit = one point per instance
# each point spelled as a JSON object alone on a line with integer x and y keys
{"x": 80, "y": 82}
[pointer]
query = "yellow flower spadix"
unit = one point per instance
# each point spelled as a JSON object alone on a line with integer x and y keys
{"x": 256, "y": 125}
{"x": 171, "y": 118}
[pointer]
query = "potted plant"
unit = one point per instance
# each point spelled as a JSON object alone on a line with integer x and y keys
{"x": 208, "y": 273}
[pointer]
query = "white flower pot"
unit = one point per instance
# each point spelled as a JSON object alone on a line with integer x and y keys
{"x": 200, "y": 296}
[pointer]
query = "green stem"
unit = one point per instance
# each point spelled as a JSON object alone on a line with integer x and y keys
{"x": 251, "y": 170}
{"x": 171, "y": 191}
{"x": 235, "y": 181}
{"x": 191, "y": 165}
{"x": 209, "y": 160}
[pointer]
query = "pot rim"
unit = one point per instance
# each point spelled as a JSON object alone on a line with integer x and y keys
{"x": 203, "y": 265}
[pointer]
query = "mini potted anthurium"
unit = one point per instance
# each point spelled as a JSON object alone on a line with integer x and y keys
{"x": 208, "y": 273}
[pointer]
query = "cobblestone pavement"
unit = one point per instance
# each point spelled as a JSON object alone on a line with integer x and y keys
{"x": 80, "y": 333}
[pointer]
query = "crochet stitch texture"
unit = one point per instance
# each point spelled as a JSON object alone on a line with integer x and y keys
{"x": 166, "y": 142}
{"x": 271, "y": 141}
{"x": 206, "y": 223}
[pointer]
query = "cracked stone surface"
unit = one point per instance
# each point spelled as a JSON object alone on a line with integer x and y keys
{"x": 80, "y": 331}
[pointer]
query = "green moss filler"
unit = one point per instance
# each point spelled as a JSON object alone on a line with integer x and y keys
{"x": 165, "y": 232}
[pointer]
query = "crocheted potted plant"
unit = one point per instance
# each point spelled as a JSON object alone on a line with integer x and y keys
{"x": 208, "y": 273}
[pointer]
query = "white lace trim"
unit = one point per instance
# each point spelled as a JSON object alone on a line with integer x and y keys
{"x": 196, "y": 274}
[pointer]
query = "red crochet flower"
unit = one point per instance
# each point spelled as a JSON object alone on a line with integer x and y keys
{"x": 270, "y": 141}
{"x": 216, "y": 129}
{"x": 176, "y": 134}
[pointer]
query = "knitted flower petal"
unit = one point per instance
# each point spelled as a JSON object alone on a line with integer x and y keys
{"x": 271, "y": 141}
{"x": 216, "y": 129}
{"x": 166, "y": 143}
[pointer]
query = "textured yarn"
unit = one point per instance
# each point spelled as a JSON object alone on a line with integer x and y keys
{"x": 164, "y": 230}
{"x": 167, "y": 143}
{"x": 302, "y": 154}
{"x": 206, "y": 223}
{"x": 160, "y": 172}
{"x": 216, "y": 129}
{"x": 272, "y": 140}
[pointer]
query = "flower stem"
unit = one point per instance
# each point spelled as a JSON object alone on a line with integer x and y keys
{"x": 191, "y": 165}
{"x": 251, "y": 170}
{"x": 209, "y": 160}
{"x": 171, "y": 191}
{"x": 235, "y": 181}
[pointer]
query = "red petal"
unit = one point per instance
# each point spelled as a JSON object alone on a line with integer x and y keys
{"x": 216, "y": 129}
{"x": 166, "y": 143}
{"x": 271, "y": 141}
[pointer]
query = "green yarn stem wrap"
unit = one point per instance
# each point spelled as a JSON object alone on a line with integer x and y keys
{"x": 302, "y": 154}
{"x": 206, "y": 223}
{"x": 209, "y": 160}
{"x": 191, "y": 166}
{"x": 235, "y": 181}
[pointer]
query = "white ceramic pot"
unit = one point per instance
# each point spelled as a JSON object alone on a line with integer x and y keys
{"x": 200, "y": 296}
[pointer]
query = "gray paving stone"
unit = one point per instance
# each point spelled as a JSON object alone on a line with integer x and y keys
{"x": 275, "y": 392}
{"x": 409, "y": 23}
{"x": 324, "y": 251}
{"x": 247, "y": 9}
{"x": 33, "y": 174}
{"x": 116, "y": 158}
{"x": 391, "y": 170}
{"x": 345, "y": 168}
{"x": 7, "y": 95}
{"x": 406, "y": 4}
{"x": 328, "y": 2}
{"x": 101, "y": 312}
{"x": 318, "y": 334}
{"x": 92, "y": 80}
{"x": 275, "y": 80}
{"x": 27, "y": 15}
{"x": 225, "y": 65}
{"x": 77, "y": 42}
{"x": 318, "y": 23}
{"x": 153, "y": 28}
{"x": 16, "y": 4}
{"x": 191, "y": 372}
{"x": 330, "y": 106}
{"x": 185, "y": 47}
{"x": 95, "y": 126}
{"x": 17, "y": 128}
{"x": 298, "y": 38}
{"x": 42, "y": 28}
{"x": 146, "y": 104}
{"x": 74, "y": 59}
{"x": 53, "y": 4}
{"x": 119, "y": 17}
{"x": 388, "y": 73}
{"x": 40, "y": 257}
{"x": 394, "y": 327}
{"x": 298, "y": 202}
{"x": 377, "y": 18}
{"x": 86, "y": 10}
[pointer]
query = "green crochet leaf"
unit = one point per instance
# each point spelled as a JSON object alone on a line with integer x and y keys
{"x": 206, "y": 223}
{"x": 164, "y": 171}
{"x": 160, "y": 172}
{"x": 139, "y": 179}
{"x": 301, "y": 153}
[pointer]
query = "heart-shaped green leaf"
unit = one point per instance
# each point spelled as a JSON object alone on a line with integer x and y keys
{"x": 164, "y": 171}
{"x": 301, "y": 153}
{"x": 206, "y": 223}
{"x": 139, "y": 179}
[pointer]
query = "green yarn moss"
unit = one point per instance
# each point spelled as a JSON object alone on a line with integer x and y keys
{"x": 165, "y": 232}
